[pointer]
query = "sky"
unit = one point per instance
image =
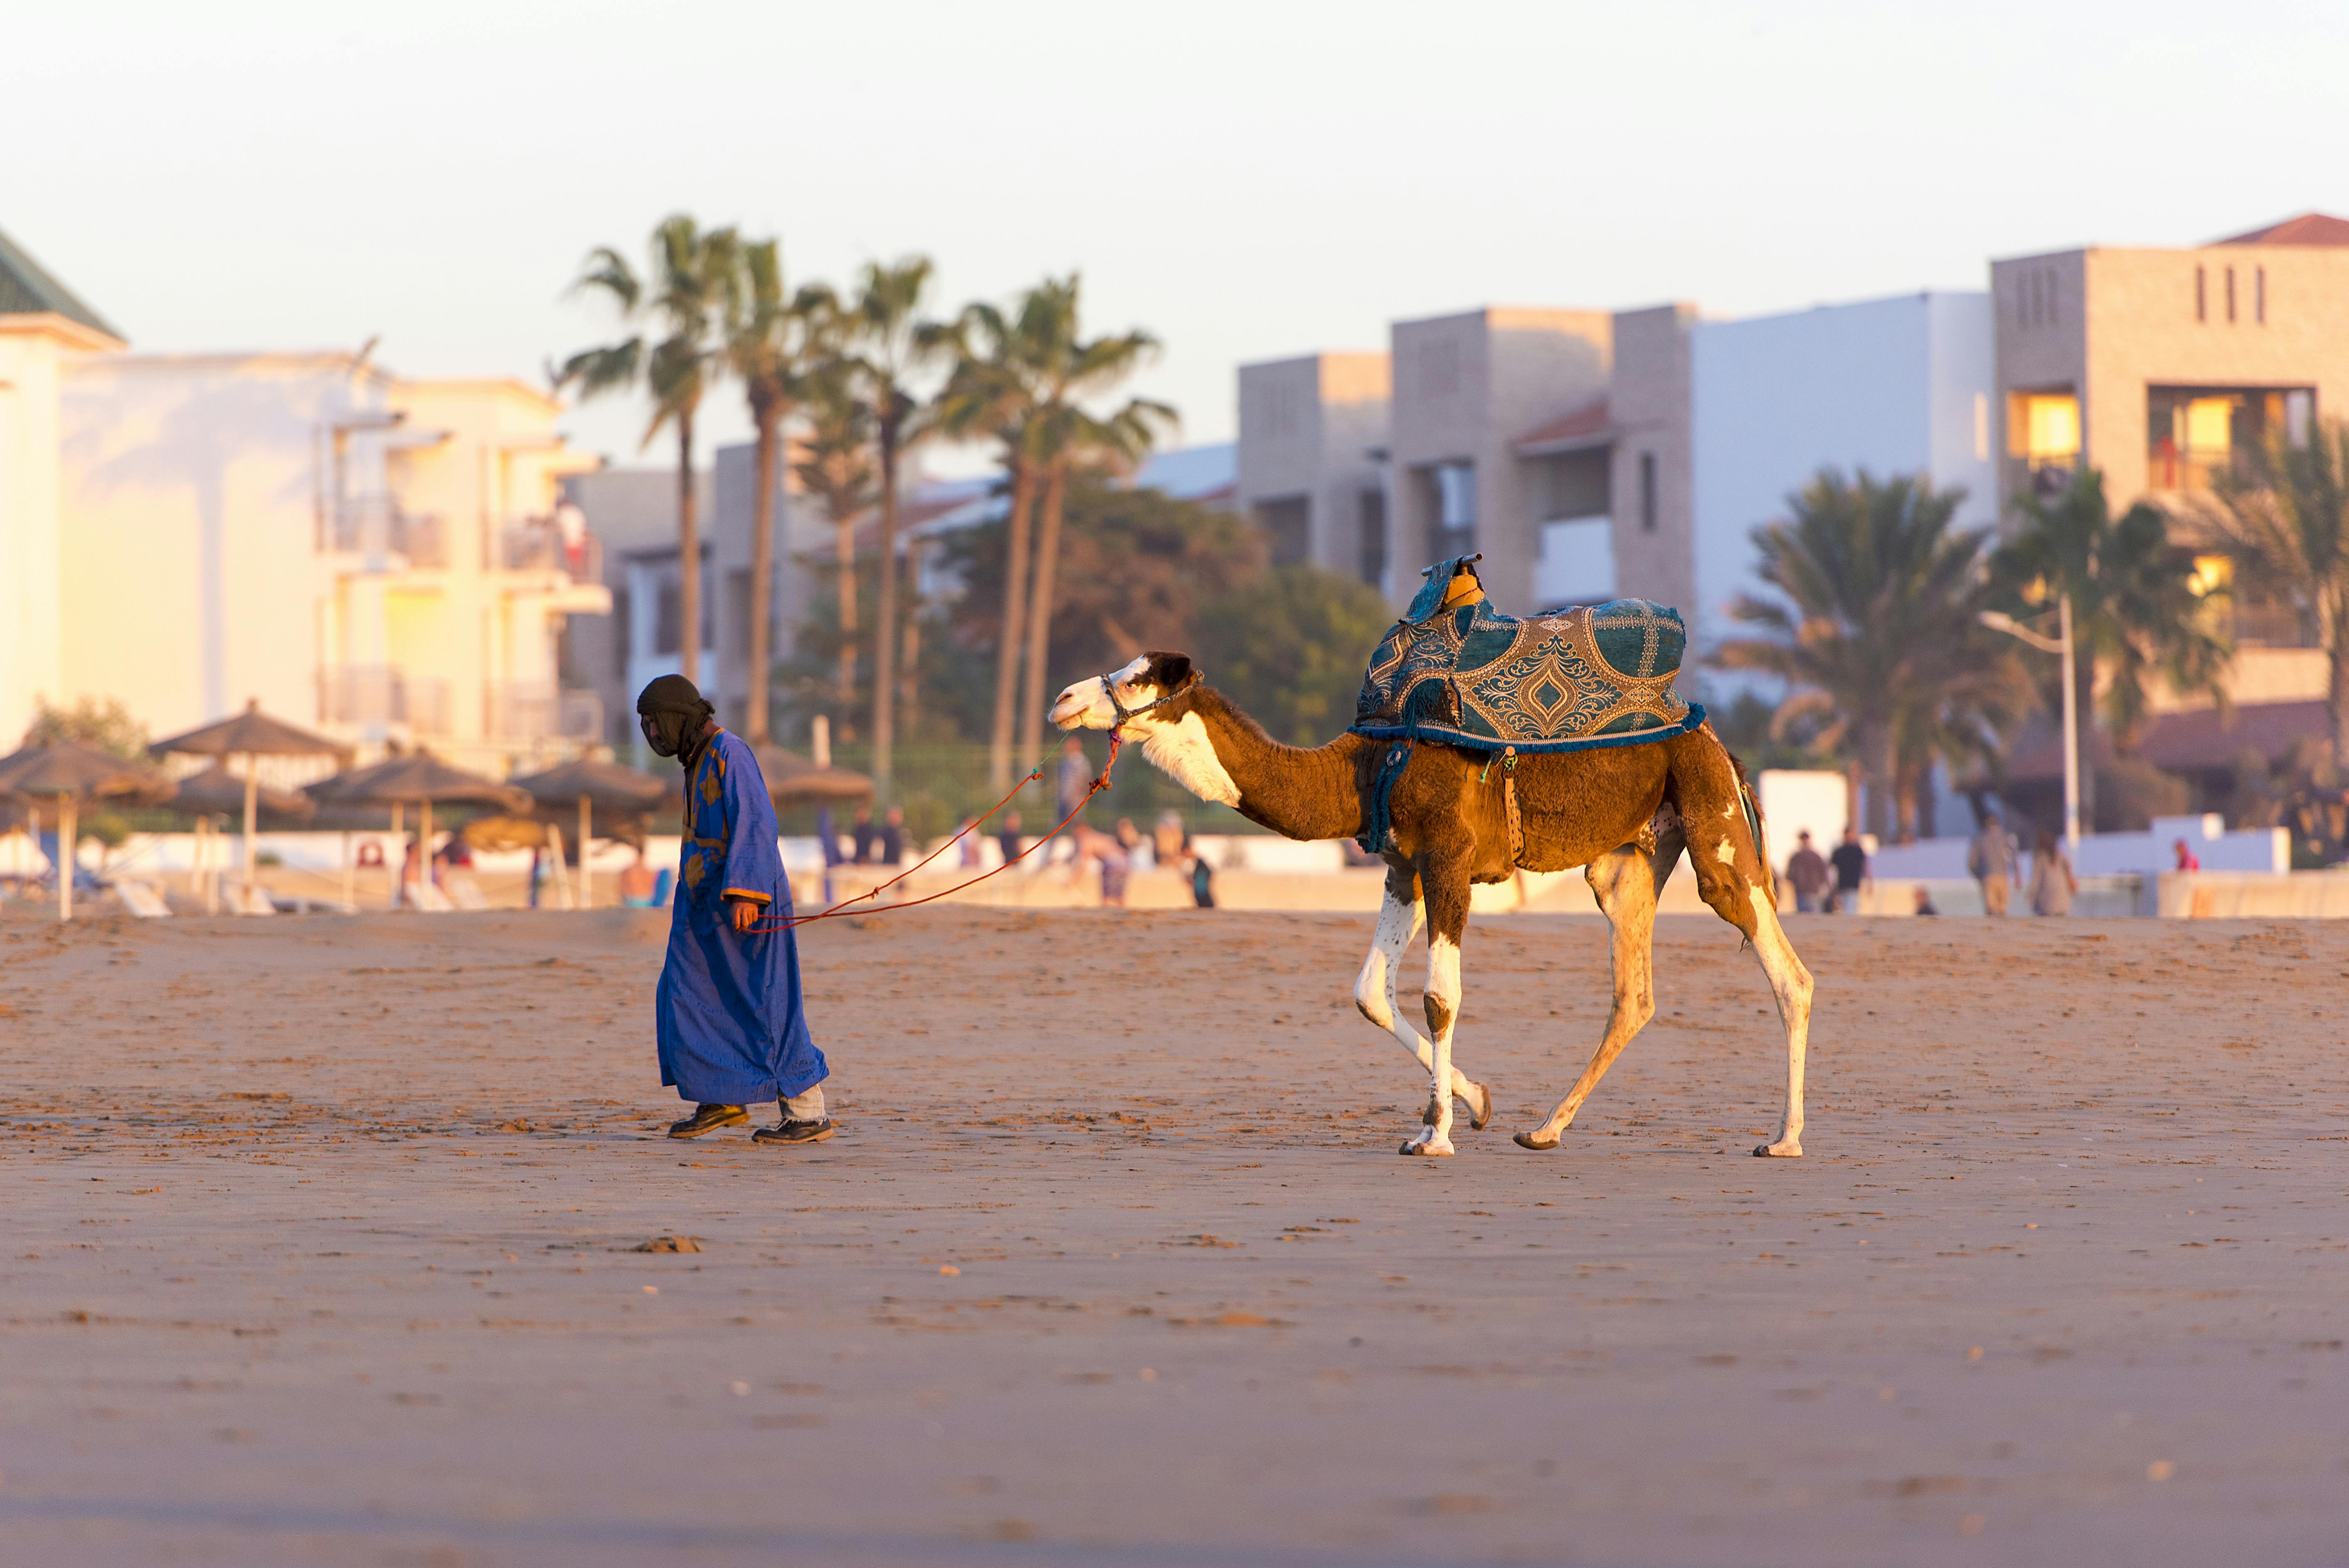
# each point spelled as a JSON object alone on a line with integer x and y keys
{"x": 1245, "y": 181}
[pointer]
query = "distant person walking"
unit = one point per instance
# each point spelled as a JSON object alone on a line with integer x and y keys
{"x": 864, "y": 836}
{"x": 1806, "y": 873}
{"x": 730, "y": 1022}
{"x": 1008, "y": 840}
{"x": 2051, "y": 881}
{"x": 890, "y": 843}
{"x": 1991, "y": 861}
{"x": 2187, "y": 860}
{"x": 1851, "y": 874}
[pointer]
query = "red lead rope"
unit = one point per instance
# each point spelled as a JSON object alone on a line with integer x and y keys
{"x": 847, "y": 906}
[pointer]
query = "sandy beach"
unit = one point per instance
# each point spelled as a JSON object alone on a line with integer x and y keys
{"x": 323, "y": 1248}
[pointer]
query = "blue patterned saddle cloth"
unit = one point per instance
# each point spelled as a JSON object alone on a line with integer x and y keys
{"x": 1562, "y": 681}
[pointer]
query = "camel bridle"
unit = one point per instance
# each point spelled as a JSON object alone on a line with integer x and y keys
{"x": 1109, "y": 691}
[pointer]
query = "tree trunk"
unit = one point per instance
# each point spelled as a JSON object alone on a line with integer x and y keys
{"x": 1040, "y": 614}
{"x": 762, "y": 572}
{"x": 884, "y": 631}
{"x": 1882, "y": 768}
{"x": 909, "y": 666}
{"x": 688, "y": 555}
{"x": 844, "y": 548}
{"x": 2335, "y": 627}
{"x": 1014, "y": 634}
{"x": 2084, "y": 700}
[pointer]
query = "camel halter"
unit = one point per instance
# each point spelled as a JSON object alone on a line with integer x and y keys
{"x": 1109, "y": 691}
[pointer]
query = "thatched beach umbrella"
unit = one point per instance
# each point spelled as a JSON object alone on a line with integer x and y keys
{"x": 251, "y": 734}
{"x": 216, "y": 791}
{"x": 68, "y": 773}
{"x": 420, "y": 779}
{"x": 792, "y": 780}
{"x": 586, "y": 783}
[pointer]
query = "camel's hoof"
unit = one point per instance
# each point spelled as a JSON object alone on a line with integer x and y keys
{"x": 1528, "y": 1140}
{"x": 1432, "y": 1148}
{"x": 1481, "y": 1117}
{"x": 1779, "y": 1151}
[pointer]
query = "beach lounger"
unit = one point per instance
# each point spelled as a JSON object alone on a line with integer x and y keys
{"x": 462, "y": 890}
{"x": 424, "y": 896}
{"x": 246, "y": 898}
{"x": 141, "y": 900}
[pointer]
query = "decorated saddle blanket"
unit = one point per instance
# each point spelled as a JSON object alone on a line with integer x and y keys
{"x": 1562, "y": 681}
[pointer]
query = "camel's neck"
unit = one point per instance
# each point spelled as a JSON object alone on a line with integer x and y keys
{"x": 1218, "y": 753}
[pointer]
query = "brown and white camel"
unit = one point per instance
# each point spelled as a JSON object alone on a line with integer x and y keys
{"x": 1624, "y": 813}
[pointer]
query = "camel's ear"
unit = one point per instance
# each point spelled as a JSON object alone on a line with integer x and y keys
{"x": 1171, "y": 672}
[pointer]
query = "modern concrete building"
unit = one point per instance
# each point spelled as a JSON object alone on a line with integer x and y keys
{"x": 633, "y": 510}
{"x": 1310, "y": 460}
{"x": 1594, "y": 454}
{"x": 1899, "y": 386}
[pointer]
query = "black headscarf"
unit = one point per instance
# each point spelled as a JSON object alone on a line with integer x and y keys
{"x": 671, "y": 711}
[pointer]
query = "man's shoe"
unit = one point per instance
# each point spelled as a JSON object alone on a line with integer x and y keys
{"x": 708, "y": 1118}
{"x": 796, "y": 1132}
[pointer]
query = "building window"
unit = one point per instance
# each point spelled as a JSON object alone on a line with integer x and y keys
{"x": 2042, "y": 431}
{"x": 1288, "y": 523}
{"x": 1456, "y": 509}
{"x": 2201, "y": 296}
{"x": 2230, "y": 296}
{"x": 1372, "y": 561}
{"x": 2260, "y": 295}
{"x": 1647, "y": 492}
{"x": 2196, "y": 435}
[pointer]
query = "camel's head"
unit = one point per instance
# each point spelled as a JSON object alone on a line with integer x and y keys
{"x": 1156, "y": 682}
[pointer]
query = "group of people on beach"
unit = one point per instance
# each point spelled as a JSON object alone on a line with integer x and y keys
{"x": 1834, "y": 884}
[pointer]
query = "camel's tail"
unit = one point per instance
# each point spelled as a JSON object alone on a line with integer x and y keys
{"x": 1753, "y": 820}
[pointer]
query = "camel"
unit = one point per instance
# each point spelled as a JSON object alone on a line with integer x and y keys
{"x": 1623, "y": 813}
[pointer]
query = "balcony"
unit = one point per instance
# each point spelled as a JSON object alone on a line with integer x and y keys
{"x": 538, "y": 544}
{"x": 540, "y": 711}
{"x": 379, "y": 696}
{"x": 377, "y": 528}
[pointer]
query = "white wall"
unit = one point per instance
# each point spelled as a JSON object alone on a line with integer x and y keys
{"x": 192, "y": 494}
{"x": 1889, "y": 385}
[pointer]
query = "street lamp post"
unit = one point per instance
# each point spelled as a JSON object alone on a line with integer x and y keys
{"x": 2060, "y": 644}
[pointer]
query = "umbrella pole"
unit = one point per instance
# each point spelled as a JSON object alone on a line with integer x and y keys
{"x": 586, "y": 878}
{"x": 562, "y": 877}
{"x": 424, "y": 847}
{"x": 350, "y": 872}
{"x": 252, "y": 813}
{"x": 68, "y": 830}
{"x": 399, "y": 868}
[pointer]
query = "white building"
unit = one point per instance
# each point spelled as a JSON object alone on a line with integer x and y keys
{"x": 378, "y": 557}
{"x": 1898, "y": 386}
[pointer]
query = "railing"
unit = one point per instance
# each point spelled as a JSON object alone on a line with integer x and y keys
{"x": 375, "y": 526}
{"x": 379, "y": 695}
{"x": 537, "y": 544}
{"x": 538, "y": 711}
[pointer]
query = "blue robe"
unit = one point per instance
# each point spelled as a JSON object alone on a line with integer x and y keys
{"x": 732, "y": 1030}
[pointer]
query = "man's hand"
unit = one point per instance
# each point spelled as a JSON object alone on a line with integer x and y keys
{"x": 746, "y": 913}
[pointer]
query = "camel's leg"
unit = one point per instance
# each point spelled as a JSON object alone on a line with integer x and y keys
{"x": 1445, "y": 883}
{"x": 1624, "y": 881}
{"x": 1374, "y": 989}
{"x": 1737, "y": 885}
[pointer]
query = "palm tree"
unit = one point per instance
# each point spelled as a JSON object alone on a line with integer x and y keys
{"x": 891, "y": 345}
{"x": 771, "y": 344}
{"x": 994, "y": 391}
{"x": 2289, "y": 517}
{"x": 2135, "y": 611}
{"x": 694, "y": 278}
{"x": 1879, "y": 637}
{"x": 1071, "y": 439}
{"x": 835, "y": 466}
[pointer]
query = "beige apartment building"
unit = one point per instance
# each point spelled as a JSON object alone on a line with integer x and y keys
{"x": 1505, "y": 431}
{"x": 2164, "y": 369}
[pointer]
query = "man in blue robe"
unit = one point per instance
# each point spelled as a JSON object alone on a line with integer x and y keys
{"x": 731, "y": 1028}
